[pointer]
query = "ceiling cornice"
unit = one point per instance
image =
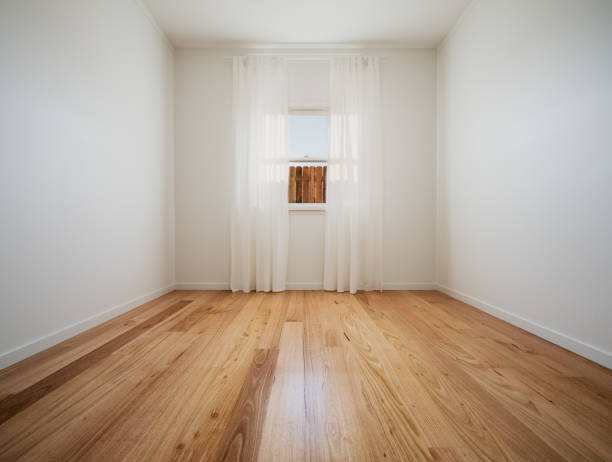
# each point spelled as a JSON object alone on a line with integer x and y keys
{"x": 147, "y": 13}
{"x": 466, "y": 12}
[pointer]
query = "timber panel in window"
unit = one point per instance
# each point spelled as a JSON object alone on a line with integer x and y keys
{"x": 307, "y": 184}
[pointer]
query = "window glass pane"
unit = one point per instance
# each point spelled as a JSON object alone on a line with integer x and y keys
{"x": 308, "y": 136}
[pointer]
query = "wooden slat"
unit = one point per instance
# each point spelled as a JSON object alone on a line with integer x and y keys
{"x": 242, "y": 434}
{"x": 295, "y": 310}
{"x": 311, "y": 192}
{"x": 283, "y": 437}
{"x": 298, "y": 185}
{"x": 324, "y": 181}
{"x": 198, "y": 310}
{"x": 306, "y": 185}
{"x": 292, "y": 184}
{"x": 276, "y": 306}
{"x": 319, "y": 184}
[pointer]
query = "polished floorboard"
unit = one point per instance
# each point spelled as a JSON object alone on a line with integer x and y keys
{"x": 296, "y": 376}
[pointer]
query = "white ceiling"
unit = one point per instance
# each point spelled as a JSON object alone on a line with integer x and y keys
{"x": 412, "y": 23}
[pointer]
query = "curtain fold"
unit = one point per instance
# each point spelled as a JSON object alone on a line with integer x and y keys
{"x": 353, "y": 231}
{"x": 259, "y": 216}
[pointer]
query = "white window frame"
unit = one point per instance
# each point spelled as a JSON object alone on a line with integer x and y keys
{"x": 315, "y": 208}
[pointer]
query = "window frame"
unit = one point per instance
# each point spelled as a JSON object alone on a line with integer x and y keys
{"x": 308, "y": 208}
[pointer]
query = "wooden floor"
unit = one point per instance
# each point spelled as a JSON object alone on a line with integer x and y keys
{"x": 305, "y": 376}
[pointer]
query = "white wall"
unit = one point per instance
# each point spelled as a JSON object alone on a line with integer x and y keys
{"x": 525, "y": 167}
{"x": 203, "y": 154}
{"x": 86, "y": 167}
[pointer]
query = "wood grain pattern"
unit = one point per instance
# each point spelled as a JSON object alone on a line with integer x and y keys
{"x": 29, "y": 371}
{"x": 298, "y": 185}
{"x": 319, "y": 184}
{"x": 291, "y": 184}
{"x": 306, "y": 185}
{"x": 311, "y": 192}
{"x": 284, "y": 430}
{"x": 14, "y": 404}
{"x": 296, "y": 376}
{"x": 324, "y": 181}
{"x": 243, "y": 431}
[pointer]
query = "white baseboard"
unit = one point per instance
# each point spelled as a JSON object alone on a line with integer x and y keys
{"x": 305, "y": 286}
{"x": 202, "y": 286}
{"x": 21, "y": 352}
{"x": 409, "y": 286}
{"x": 226, "y": 286}
{"x": 569, "y": 343}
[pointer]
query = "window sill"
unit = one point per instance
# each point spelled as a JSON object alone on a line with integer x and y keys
{"x": 307, "y": 160}
{"x": 316, "y": 209}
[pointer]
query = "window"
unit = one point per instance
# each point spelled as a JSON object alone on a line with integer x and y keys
{"x": 308, "y": 153}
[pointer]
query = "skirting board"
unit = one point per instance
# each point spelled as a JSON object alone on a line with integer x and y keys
{"x": 202, "y": 286}
{"x": 47, "y": 341}
{"x": 305, "y": 286}
{"x": 409, "y": 286}
{"x": 569, "y": 343}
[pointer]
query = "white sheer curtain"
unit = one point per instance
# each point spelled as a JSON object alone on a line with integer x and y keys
{"x": 353, "y": 233}
{"x": 259, "y": 218}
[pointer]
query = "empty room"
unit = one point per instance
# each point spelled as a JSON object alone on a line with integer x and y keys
{"x": 327, "y": 230}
